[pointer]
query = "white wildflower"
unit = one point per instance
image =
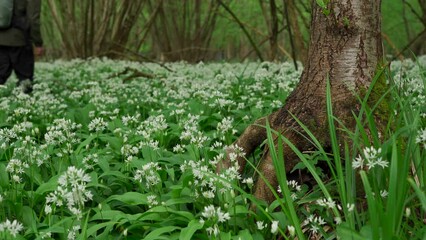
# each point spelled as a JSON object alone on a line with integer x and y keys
{"x": 13, "y": 227}
{"x": 261, "y": 225}
{"x": 350, "y": 207}
{"x": 291, "y": 230}
{"x": 371, "y": 159}
{"x": 97, "y": 125}
{"x": 148, "y": 174}
{"x": 274, "y": 227}
{"x": 421, "y": 137}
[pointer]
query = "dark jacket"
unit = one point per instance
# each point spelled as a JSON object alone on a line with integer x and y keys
{"x": 25, "y": 25}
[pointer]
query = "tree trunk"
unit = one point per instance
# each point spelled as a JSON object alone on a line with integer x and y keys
{"x": 346, "y": 48}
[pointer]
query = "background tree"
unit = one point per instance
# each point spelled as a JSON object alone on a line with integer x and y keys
{"x": 346, "y": 50}
{"x": 183, "y": 30}
{"x": 88, "y": 28}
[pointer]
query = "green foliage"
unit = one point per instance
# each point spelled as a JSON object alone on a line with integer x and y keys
{"x": 87, "y": 156}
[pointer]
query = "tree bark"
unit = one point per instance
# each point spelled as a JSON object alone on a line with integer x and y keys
{"x": 346, "y": 48}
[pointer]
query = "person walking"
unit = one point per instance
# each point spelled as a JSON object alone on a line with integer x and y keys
{"x": 20, "y": 42}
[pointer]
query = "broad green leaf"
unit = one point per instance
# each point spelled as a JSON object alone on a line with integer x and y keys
{"x": 344, "y": 232}
{"x": 114, "y": 142}
{"x": 29, "y": 218}
{"x": 91, "y": 231}
{"x": 188, "y": 232}
{"x": 4, "y": 176}
{"x": 157, "y": 233}
{"x": 245, "y": 234}
{"x": 49, "y": 186}
{"x": 86, "y": 142}
{"x": 131, "y": 198}
{"x": 164, "y": 209}
{"x": 180, "y": 200}
{"x": 108, "y": 215}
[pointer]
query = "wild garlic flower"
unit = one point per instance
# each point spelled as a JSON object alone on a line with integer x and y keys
{"x": 371, "y": 159}
{"x": 314, "y": 223}
{"x": 212, "y": 218}
{"x": 97, "y": 125}
{"x": 294, "y": 188}
{"x": 261, "y": 225}
{"x": 274, "y": 227}
{"x": 152, "y": 201}
{"x": 148, "y": 174}
{"x": 152, "y": 125}
{"x": 291, "y": 230}
{"x": 129, "y": 152}
{"x": 62, "y": 134}
{"x": 328, "y": 203}
{"x": 249, "y": 181}
{"x": 90, "y": 161}
{"x": 350, "y": 207}
{"x": 192, "y": 133}
{"x": 72, "y": 233}
{"x": 421, "y": 137}
{"x": 61, "y": 131}
{"x": 16, "y": 168}
{"x": 205, "y": 185}
{"x": 225, "y": 126}
{"x": 213, "y": 231}
{"x": 71, "y": 190}
{"x": 7, "y": 136}
{"x": 13, "y": 227}
{"x": 130, "y": 120}
{"x": 178, "y": 148}
{"x": 26, "y": 148}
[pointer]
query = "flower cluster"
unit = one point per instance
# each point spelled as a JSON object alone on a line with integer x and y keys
{"x": 72, "y": 191}
{"x": 16, "y": 168}
{"x": 97, "y": 125}
{"x": 294, "y": 187}
{"x": 191, "y": 131}
{"x": 148, "y": 174}
{"x": 421, "y": 138}
{"x": 12, "y": 227}
{"x": 213, "y": 217}
{"x": 314, "y": 223}
{"x": 62, "y": 133}
{"x": 371, "y": 159}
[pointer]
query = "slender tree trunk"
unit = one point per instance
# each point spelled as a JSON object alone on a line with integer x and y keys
{"x": 346, "y": 48}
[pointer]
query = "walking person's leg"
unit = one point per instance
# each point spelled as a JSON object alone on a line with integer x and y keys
{"x": 5, "y": 64}
{"x": 23, "y": 64}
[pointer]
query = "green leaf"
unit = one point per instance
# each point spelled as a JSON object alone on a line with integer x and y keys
{"x": 245, "y": 234}
{"x": 49, "y": 186}
{"x": 420, "y": 194}
{"x": 4, "y": 176}
{"x": 114, "y": 142}
{"x": 156, "y": 234}
{"x": 321, "y": 3}
{"x": 94, "y": 229}
{"x": 344, "y": 232}
{"x": 29, "y": 218}
{"x": 225, "y": 236}
{"x": 188, "y": 232}
{"x": 85, "y": 143}
{"x": 131, "y": 198}
{"x": 107, "y": 215}
{"x": 163, "y": 209}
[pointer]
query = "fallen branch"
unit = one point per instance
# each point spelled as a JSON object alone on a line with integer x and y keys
{"x": 133, "y": 74}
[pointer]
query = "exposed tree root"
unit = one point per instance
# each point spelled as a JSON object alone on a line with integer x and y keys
{"x": 254, "y": 136}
